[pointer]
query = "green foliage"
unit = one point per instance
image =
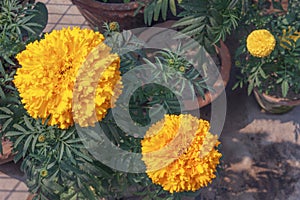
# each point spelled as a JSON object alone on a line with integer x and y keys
{"x": 57, "y": 162}
{"x": 19, "y": 25}
{"x": 280, "y": 71}
{"x": 155, "y": 9}
{"x": 209, "y": 21}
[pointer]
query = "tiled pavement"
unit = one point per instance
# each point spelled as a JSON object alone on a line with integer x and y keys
{"x": 61, "y": 14}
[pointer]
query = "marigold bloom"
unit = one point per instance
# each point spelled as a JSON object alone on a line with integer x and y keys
{"x": 180, "y": 153}
{"x": 48, "y": 74}
{"x": 260, "y": 43}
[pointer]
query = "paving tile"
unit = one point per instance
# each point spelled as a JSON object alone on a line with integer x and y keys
{"x": 12, "y": 186}
{"x": 85, "y": 27}
{"x": 73, "y": 10}
{"x": 43, "y": 1}
{"x": 65, "y": 2}
{"x": 72, "y": 19}
{"x": 60, "y": 26}
{"x": 54, "y": 18}
{"x": 57, "y": 9}
{"x": 49, "y": 28}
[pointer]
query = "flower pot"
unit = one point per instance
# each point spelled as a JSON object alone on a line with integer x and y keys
{"x": 7, "y": 152}
{"x": 96, "y": 13}
{"x": 221, "y": 81}
{"x": 275, "y": 105}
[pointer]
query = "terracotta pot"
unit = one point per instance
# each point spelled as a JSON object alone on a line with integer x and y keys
{"x": 96, "y": 13}
{"x": 274, "y": 105}
{"x": 7, "y": 154}
{"x": 222, "y": 79}
{"x": 220, "y": 84}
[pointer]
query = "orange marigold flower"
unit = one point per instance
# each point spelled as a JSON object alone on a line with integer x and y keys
{"x": 180, "y": 153}
{"x": 49, "y": 71}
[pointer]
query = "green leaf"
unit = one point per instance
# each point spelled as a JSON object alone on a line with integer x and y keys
{"x": 6, "y": 123}
{"x": 16, "y": 143}
{"x": 19, "y": 128}
{"x": 189, "y": 20}
{"x": 250, "y": 87}
{"x": 28, "y": 124}
{"x": 173, "y": 7}
{"x": 53, "y": 185}
{"x": 17, "y": 157}
{"x": 157, "y": 10}
{"x": 81, "y": 155}
{"x": 2, "y": 94}
{"x": 88, "y": 193}
{"x": 6, "y": 110}
{"x": 34, "y": 142}
{"x": 4, "y": 116}
{"x": 2, "y": 71}
{"x": 164, "y": 9}
{"x": 61, "y": 152}
{"x": 284, "y": 88}
{"x": 13, "y": 133}
{"x": 26, "y": 144}
{"x": 262, "y": 73}
{"x": 41, "y": 18}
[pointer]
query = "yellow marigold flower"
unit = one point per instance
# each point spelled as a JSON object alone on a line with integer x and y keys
{"x": 48, "y": 73}
{"x": 96, "y": 87}
{"x": 260, "y": 43}
{"x": 180, "y": 154}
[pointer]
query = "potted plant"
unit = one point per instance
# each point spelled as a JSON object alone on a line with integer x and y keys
{"x": 209, "y": 23}
{"x": 269, "y": 56}
{"x": 128, "y": 13}
{"x": 80, "y": 143}
{"x": 20, "y": 23}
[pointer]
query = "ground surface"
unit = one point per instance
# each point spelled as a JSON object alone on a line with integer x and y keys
{"x": 261, "y": 152}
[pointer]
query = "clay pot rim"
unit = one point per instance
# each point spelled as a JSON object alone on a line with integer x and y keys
{"x": 108, "y": 6}
{"x": 278, "y": 100}
{"x": 220, "y": 84}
